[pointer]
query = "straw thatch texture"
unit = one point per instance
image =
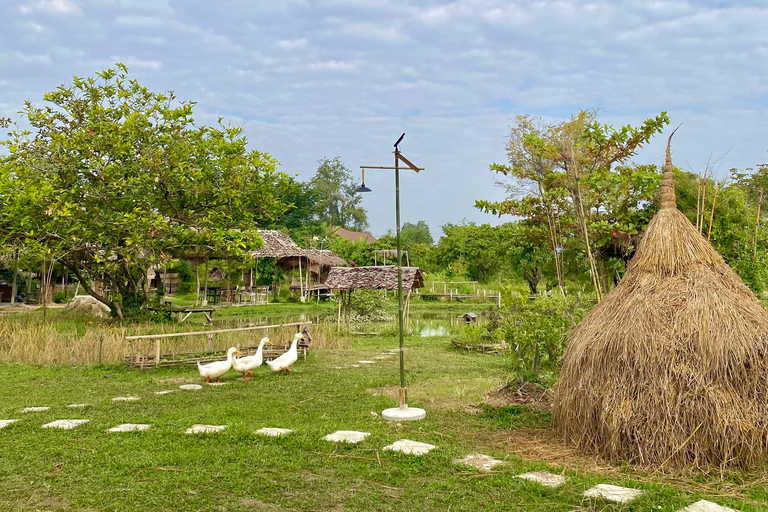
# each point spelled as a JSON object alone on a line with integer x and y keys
{"x": 671, "y": 368}
{"x": 373, "y": 278}
{"x": 276, "y": 245}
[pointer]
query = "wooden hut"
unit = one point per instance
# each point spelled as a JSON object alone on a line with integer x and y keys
{"x": 313, "y": 265}
{"x": 671, "y": 368}
{"x": 347, "y": 280}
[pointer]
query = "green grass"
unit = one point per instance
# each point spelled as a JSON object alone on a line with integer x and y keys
{"x": 166, "y": 469}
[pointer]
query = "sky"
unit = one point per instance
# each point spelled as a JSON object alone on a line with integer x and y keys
{"x": 313, "y": 79}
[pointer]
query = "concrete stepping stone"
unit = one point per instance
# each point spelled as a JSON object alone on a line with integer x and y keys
{"x": 205, "y": 429}
{"x": 5, "y": 423}
{"x": 129, "y": 427}
{"x": 410, "y": 447}
{"x": 77, "y": 406}
{"x": 190, "y": 387}
{"x": 218, "y": 383}
{"x": 165, "y": 392}
{"x": 346, "y": 436}
{"x": 367, "y": 362}
{"x": 707, "y": 506}
{"x": 35, "y": 409}
{"x": 65, "y": 424}
{"x": 479, "y": 461}
{"x": 545, "y": 478}
{"x": 382, "y": 357}
{"x": 613, "y": 493}
{"x": 274, "y": 432}
{"x": 355, "y": 365}
{"x": 126, "y": 399}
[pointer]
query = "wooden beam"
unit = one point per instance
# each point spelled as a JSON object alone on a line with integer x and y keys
{"x": 408, "y": 162}
{"x": 387, "y": 168}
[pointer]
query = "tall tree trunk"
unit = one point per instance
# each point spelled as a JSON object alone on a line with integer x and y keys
{"x": 754, "y": 239}
{"x": 14, "y": 285}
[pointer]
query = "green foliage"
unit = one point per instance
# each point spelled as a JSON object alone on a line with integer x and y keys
{"x": 571, "y": 181}
{"x": 369, "y": 305}
{"x": 471, "y": 251}
{"x": 113, "y": 178}
{"x": 536, "y": 330}
{"x": 415, "y": 234}
{"x": 337, "y": 204}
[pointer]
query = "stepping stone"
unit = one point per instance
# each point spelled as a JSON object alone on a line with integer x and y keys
{"x": 346, "y": 436}
{"x": 75, "y": 406}
{"x": 613, "y": 493}
{"x": 218, "y": 383}
{"x": 336, "y": 367}
{"x": 5, "y": 423}
{"x": 355, "y": 365}
{"x": 410, "y": 447}
{"x": 707, "y": 506}
{"x": 205, "y": 429}
{"x": 126, "y": 399}
{"x": 35, "y": 409}
{"x": 545, "y": 478}
{"x": 129, "y": 427}
{"x": 479, "y": 461}
{"x": 190, "y": 387}
{"x": 382, "y": 357}
{"x": 65, "y": 424}
{"x": 165, "y": 392}
{"x": 367, "y": 362}
{"x": 274, "y": 432}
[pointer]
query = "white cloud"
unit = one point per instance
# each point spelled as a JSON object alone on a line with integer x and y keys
{"x": 50, "y": 6}
{"x": 346, "y": 77}
{"x": 290, "y": 44}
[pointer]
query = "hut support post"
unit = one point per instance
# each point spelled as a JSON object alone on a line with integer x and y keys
{"x": 301, "y": 282}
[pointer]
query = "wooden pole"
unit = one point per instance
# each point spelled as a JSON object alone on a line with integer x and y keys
{"x": 197, "y": 281}
{"x": 712, "y": 214}
{"x": 205, "y": 292}
{"x": 757, "y": 224}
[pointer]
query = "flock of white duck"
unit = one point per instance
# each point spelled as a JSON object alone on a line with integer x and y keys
{"x": 245, "y": 365}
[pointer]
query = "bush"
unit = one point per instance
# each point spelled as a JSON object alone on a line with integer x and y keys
{"x": 59, "y": 297}
{"x": 369, "y": 306}
{"x": 536, "y": 330}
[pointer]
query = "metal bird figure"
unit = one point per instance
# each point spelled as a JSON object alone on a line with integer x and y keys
{"x": 398, "y": 142}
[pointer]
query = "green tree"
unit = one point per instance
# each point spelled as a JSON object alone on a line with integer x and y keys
{"x": 478, "y": 249}
{"x": 411, "y": 233}
{"x": 574, "y": 173}
{"x": 113, "y": 179}
{"x": 337, "y": 202}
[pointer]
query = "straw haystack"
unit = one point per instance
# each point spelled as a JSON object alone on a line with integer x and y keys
{"x": 671, "y": 368}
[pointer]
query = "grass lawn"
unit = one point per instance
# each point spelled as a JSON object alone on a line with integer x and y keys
{"x": 166, "y": 469}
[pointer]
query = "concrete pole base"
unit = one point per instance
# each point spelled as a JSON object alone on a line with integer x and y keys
{"x": 403, "y": 414}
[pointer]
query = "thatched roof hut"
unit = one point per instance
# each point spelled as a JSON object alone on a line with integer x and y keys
{"x": 671, "y": 368}
{"x": 276, "y": 245}
{"x": 373, "y": 278}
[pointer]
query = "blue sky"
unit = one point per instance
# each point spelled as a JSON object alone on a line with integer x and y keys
{"x": 308, "y": 79}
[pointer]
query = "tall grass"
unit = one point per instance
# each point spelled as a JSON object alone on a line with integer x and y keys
{"x": 66, "y": 338}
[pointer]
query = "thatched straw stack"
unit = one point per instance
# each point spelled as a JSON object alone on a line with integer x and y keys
{"x": 671, "y": 368}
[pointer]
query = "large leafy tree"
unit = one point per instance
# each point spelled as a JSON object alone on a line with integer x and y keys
{"x": 417, "y": 233}
{"x": 113, "y": 179}
{"x": 573, "y": 178}
{"x": 337, "y": 203}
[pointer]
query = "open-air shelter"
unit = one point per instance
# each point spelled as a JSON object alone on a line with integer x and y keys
{"x": 347, "y": 280}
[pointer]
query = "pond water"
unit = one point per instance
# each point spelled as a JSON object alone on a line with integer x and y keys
{"x": 421, "y": 324}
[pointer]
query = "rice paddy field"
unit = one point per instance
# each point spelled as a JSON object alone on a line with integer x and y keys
{"x": 469, "y": 411}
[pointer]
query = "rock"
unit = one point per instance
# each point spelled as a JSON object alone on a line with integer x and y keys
{"x": 545, "y": 478}
{"x": 87, "y": 305}
{"x": 129, "y": 427}
{"x": 205, "y": 429}
{"x": 346, "y": 436}
{"x": 65, "y": 424}
{"x": 613, "y": 493}
{"x": 274, "y": 432}
{"x": 410, "y": 447}
{"x": 479, "y": 461}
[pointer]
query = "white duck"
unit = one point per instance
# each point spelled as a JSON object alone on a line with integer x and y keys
{"x": 217, "y": 369}
{"x": 246, "y": 364}
{"x": 284, "y": 361}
